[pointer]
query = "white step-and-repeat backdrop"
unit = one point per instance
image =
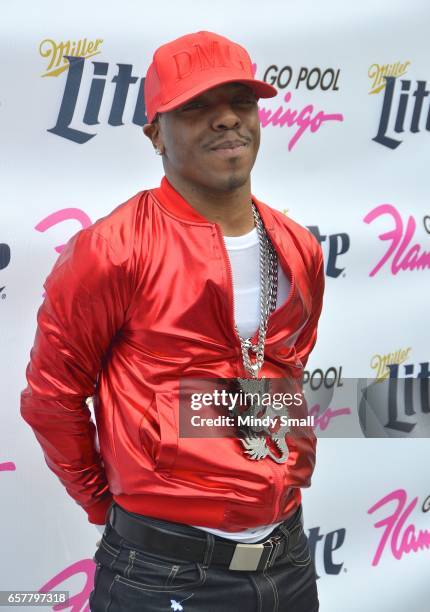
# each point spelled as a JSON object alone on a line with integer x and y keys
{"x": 345, "y": 152}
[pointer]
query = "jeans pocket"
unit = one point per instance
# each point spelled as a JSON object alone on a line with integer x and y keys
{"x": 299, "y": 552}
{"x": 145, "y": 571}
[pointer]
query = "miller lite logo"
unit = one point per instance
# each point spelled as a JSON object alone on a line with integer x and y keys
{"x": 56, "y": 53}
{"x": 378, "y": 72}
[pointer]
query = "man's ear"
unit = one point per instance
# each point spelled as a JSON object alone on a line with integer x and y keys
{"x": 152, "y": 131}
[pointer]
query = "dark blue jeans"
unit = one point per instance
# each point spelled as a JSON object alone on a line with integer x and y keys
{"x": 130, "y": 579}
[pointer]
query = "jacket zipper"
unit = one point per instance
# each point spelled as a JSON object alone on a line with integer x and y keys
{"x": 278, "y": 487}
{"x": 274, "y": 468}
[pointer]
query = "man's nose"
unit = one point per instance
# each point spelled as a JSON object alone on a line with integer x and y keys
{"x": 225, "y": 117}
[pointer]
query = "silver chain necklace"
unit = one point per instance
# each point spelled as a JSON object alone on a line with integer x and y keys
{"x": 268, "y": 297}
{"x": 254, "y": 442}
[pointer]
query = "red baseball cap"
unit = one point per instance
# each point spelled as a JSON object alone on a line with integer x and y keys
{"x": 194, "y": 63}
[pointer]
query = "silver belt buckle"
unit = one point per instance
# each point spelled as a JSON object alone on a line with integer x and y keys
{"x": 246, "y": 557}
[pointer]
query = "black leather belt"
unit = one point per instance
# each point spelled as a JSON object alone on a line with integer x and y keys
{"x": 193, "y": 548}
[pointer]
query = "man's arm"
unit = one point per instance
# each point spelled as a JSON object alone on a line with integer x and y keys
{"x": 83, "y": 310}
{"x": 308, "y": 336}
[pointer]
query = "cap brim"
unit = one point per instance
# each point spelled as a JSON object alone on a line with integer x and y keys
{"x": 261, "y": 89}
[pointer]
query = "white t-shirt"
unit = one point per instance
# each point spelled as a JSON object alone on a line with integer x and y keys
{"x": 244, "y": 254}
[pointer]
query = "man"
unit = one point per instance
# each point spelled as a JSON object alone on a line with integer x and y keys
{"x": 196, "y": 279}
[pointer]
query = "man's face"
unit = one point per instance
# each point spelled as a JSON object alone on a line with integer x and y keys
{"x": 212, "y": 140}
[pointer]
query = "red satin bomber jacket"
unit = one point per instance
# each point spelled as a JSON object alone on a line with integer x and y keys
{"x": 134, "y": 302}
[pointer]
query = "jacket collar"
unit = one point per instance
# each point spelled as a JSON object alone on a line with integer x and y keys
{"x": 178, "y": 206}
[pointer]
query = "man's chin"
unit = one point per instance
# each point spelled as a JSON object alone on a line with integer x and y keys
{"x": 228, "y": 181}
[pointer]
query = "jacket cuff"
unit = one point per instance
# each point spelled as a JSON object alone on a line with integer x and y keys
{"x": 97, "y": 512}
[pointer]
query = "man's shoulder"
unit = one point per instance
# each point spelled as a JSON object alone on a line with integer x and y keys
{"x": 123, "y": 213}
{"x": 115, "y": 235}
{"x": 120, "y": 225}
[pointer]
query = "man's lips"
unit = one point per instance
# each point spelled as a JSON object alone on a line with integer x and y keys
{"x": 229, "y": 148}
{"x": 229, "y": 144}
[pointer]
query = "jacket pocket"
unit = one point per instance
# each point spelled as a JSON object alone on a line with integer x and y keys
{"x": 158, "y": 431}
